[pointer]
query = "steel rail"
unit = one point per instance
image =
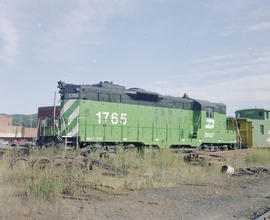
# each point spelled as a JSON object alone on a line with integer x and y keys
{"x": 265, "y": 216}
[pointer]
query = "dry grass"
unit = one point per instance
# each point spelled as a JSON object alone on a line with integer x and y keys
{"x": 258, "y": 157}
{"x": 254, "y": 157}
{"x": 158, "y": 169}
{"x": 155, "y": 168}
{"x": 31, "y": 191}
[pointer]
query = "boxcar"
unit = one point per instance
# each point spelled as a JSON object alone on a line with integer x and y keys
{"x": 48, "y": 124}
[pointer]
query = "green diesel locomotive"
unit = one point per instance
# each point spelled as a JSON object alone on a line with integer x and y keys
{"x": 110, "y": 114}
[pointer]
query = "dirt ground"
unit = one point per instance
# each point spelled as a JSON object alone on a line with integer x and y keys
{"x": 243, "y": 197}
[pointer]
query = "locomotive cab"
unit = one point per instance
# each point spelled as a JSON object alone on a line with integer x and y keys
{"x": 210, "y": 125}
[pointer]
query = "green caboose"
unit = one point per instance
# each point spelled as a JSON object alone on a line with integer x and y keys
{"x": 254, "y": 126}
{"x": 110, "y": 114}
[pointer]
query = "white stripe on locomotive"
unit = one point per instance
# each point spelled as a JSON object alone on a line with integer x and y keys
{"x": 74, "y": 115}
{"x": 74, "y": 131}
{"x": 66, "y": 106}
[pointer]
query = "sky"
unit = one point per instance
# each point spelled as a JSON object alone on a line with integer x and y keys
{"x": 213, "y": 50}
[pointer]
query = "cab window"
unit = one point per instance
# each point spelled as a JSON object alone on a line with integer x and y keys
{"x": 209, "y": 112}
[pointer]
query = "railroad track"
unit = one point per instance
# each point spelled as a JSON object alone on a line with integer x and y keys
{"x": 228, "y": 153}
{"x": 265, "y": 216}
{"x": 217, "y": 155}
{"x": 59, "y": 161}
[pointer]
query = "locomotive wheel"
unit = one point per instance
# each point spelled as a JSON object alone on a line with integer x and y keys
{"x": 58, "y": 158}
{"x": 78, "y": 163}
{"x": 19, "y": 162}
{"x": 42, "y": 162}
{"x": 60, "y": 162}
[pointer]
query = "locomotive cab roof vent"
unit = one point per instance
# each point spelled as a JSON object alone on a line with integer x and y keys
{"x": 186, "y": 96}
{"x": 142, "y": 94}
{"x": 109, "y": 85}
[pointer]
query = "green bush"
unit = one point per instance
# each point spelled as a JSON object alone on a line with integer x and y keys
{"x": 45, "y": 188}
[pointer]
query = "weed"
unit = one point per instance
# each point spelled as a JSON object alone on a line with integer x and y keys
{"x": 45, "y": 187}
{"x": 155, "y": 168}
{"x": 260, "y": 157}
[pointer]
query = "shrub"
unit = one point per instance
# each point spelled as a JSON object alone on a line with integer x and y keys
{"x": 45, "y": 187}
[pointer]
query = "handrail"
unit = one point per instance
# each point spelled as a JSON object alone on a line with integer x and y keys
{"x": 238, "y": 132}
{"x": 77, "y": 137}
{"x": 65, "y": 127}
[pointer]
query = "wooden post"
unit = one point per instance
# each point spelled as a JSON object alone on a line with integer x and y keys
{"x": 54, "y": 110}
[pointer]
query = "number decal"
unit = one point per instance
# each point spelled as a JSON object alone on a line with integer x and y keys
{"x": 99, "y": 117}
{"x": 104, "y": 116}
{"x": 114, "y": 118}
{"x": 123, "y": 119}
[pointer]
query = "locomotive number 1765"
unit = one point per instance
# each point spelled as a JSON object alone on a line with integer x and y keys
{"x": 114, "y": 117}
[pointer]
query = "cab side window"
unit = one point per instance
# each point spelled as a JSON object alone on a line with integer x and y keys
{"x": 209, "y": 112}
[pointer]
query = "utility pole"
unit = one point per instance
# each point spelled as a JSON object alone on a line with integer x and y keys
{"x": 31, "y": 121}
{"x": 54, "y": 110}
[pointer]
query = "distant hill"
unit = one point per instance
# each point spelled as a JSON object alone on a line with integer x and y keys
{"x": 24, "y": 120}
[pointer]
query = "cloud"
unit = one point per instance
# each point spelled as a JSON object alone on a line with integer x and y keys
{"x": 241, "y": 92}
{"x": 9, "y": 41}
{"x": 242, "y": 89}
{"x": 243, "y": 28}
{"x": 80, "y": 27}
{"x": 228, "y": 32}
{"x": 240, "y": 80}
{"x": 259, "y": 27}
{"x": 56, "y": 30}
{"x": 221, "y": 57}
{"x": 249, "y": 61}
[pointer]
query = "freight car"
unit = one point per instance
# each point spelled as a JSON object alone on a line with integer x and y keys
{"x": 110, "y": 114}
{"x": 48, "y": 125}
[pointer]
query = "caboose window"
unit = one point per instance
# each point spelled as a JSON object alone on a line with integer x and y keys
{"x": 239, "y": 126}
{"x": 262, "y": 129}
{"x": 209, "y": 112}
{"x": 261, "y": 114}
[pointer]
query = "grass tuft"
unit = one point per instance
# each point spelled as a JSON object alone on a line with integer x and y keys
{"x": 258, "y": 157}
{"x": 45, "y": 187}
{"x": 155, "y": 168}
